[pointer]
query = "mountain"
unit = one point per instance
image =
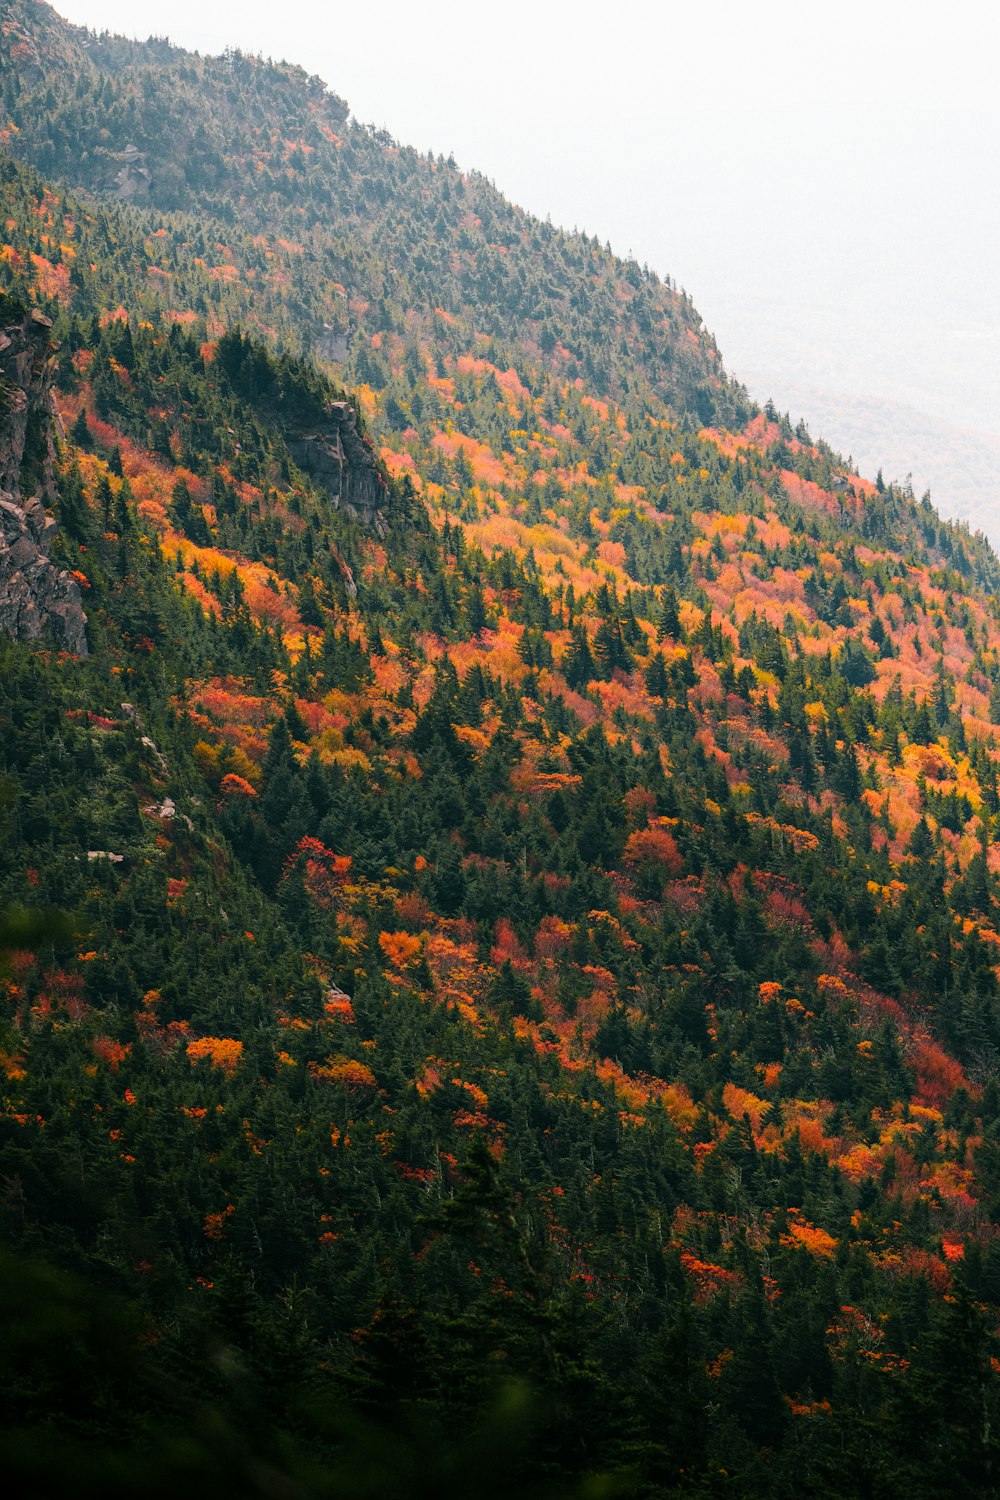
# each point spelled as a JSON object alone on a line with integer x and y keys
{"x": 331, "y": 230}
{"x": 499, "y": 924}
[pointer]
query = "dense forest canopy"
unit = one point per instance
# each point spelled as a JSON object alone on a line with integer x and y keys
{"x": 499, "y": 940}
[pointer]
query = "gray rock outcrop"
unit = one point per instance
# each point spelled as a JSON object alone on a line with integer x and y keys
{"x": 37, "y": 599}
{"x": 343, "y": 463}
{"x": 132, "y": 182}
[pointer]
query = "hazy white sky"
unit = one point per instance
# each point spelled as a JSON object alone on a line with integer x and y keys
{"x": 823, "y": 179}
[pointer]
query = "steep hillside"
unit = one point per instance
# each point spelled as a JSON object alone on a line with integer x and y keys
{"x": 500, "y": 945}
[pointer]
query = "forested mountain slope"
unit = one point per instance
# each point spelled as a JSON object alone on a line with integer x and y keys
{"x": 500, "y": 953}
{"x": 331, "y": 231}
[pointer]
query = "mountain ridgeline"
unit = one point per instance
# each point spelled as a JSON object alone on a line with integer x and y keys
{"x": 499, "y": 935}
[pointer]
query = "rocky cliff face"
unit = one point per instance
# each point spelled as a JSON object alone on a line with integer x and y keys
{"x": 36, "y": 597}
{"x": 339, "y": 459}
{"x": 132, "y": 181}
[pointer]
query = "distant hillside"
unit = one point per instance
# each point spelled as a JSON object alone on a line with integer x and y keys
{"x": 960, "y": 467}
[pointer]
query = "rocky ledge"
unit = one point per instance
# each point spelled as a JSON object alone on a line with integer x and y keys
{"x": 37, "y": 599}
{"x": 343, "y": 463}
